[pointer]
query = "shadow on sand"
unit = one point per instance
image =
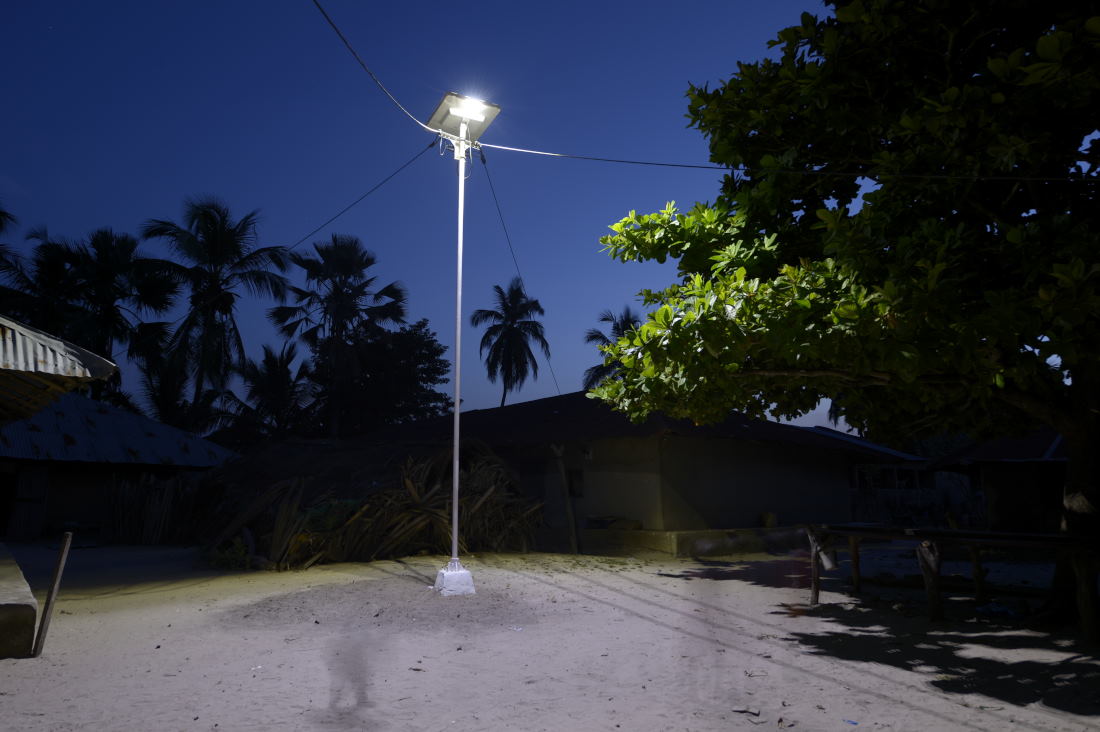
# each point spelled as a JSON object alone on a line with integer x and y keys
{"x": 1001, "y": 656}
{"x": 791, "y": 570}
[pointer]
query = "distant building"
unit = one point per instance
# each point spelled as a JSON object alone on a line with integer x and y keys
{"x": 68, "y": 466}
{"x": 671, "y": 475}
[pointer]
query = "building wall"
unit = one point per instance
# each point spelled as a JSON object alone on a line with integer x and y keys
{"x": 670, "y": 483}
{"x": 724, "y": 484}
{"x": 46, "y": 498}
{"x": 617, "y": 478}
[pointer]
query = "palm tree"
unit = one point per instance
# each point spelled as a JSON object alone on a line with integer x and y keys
{"x": 40, "y": 290}
{"x": 621, "y": 324}
{"x": 342, "y": 297}
{"x": 219, "y": 257}
{"x": 6, "y": 219}
{"x": 276, "y": 395}
{"x": 114, "y": 287}
{"x": 164, "y": 382}
{"x": 338, "y": 302}
{"x": 509, "y": 335}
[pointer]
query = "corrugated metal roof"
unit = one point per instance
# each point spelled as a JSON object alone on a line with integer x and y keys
{"x": 36, "y": 368}
{"x": 77, "y": 429}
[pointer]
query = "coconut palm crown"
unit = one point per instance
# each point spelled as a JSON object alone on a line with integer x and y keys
{"x": 506, "y": 343}
{"x": 339, "y": 295}
{"x": 621, "y": 324}
{"x": 219, "y": 257}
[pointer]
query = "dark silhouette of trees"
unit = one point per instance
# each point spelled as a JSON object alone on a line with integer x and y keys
{"x": 394, "y": 372}
{"x": 277, "y": 394}
{"x": 219, "y": 258}
{"x": 7, "y": 219}
{"x": 331, "y": 314}
{"x": 93, "y": 292}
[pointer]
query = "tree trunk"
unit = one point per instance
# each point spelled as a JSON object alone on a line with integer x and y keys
{"x": 1080, "y": 516}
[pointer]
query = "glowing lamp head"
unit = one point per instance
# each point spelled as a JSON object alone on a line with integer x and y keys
{"x": 456, "y": 109}
{"x": 469, "y": 109}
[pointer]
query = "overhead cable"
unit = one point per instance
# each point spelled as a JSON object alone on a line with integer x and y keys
{"x": 347, "y": 208}
{"x": 508, "y": 238}
{"x": 367, "y": 69}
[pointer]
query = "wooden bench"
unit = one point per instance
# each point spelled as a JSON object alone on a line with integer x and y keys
{"x": 18, "y": 610}
{"x": 1083, "y": 552}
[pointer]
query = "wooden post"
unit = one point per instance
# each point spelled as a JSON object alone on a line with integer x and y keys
{"x": 1086, "y": 596}
{"x": 559, "y": 456}
{"x": 815, "y": 566}
{"x": 815, "y": 578}
{"x": 928, "y": 556}
{"x": 853, "y": 556}
{"x": 47, "y": 612}
{"x": 976, "y": 569}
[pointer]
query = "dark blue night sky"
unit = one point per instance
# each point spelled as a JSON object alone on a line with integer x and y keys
{"x": 114, "y": 112}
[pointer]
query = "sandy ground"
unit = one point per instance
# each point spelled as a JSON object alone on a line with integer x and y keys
{"x": 142, "y": 640}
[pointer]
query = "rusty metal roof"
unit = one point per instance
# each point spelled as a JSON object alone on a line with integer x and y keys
{"x": 78, "y": 429}
{"x": 36, "y": 368}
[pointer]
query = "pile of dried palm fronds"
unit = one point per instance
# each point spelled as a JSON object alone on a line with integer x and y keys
{"x": 145, "y": 510}
{"x": 410, "y": 518}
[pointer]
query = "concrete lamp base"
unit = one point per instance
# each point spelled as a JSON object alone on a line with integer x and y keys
{"x": 454, "y": 579}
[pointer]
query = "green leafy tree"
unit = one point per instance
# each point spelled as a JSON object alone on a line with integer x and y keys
{"x": 219, "y": 257}
{"x": 506, "y": 344}
{"x": 908, "y": 227}
{"x": 338, "y": 301}
{"x": 620, "y": 325}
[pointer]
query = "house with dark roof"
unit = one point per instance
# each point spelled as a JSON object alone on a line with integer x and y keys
{"x": 1020, "y": 479}
{"x": 63, "y": 466}
{"x": 592, "y": 465}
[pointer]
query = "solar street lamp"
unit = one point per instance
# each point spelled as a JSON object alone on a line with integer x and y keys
{"x": 460, "y": 120}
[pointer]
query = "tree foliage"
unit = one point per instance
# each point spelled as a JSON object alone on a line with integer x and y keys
{"x": 908, "y": 226}
{"x": 393, "y": 375}
{"x": 332, "y": 314}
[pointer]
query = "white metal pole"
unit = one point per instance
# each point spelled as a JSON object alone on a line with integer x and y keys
{"x": 460, "y": 154}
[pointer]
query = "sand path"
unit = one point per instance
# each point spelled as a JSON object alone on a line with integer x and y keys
{"x": 550, "y": 642}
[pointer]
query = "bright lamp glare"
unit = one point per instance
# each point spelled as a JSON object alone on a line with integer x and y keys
{"x": 471, "y": 109}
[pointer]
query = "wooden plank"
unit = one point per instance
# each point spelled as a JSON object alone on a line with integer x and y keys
{"x": 47, "y": 612}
